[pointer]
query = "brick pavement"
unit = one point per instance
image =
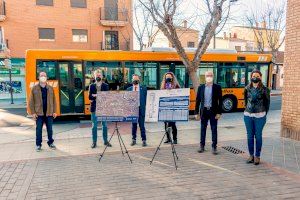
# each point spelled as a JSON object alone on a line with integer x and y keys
{"x": 200, "y": 176}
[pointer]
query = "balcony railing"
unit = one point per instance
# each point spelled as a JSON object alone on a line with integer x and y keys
{"x": 123, "y": 46}
{"x": 2, "y": 11}
{"x": 112, "y": 16}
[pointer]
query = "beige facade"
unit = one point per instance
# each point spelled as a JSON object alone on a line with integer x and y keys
{"x": 251, "y": 34}
{"x": 291, "y": 87}
{"x": 188, "y": 37}
{"x": 94, "y": 21}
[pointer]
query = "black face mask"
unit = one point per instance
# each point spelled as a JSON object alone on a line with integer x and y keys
{"x": 98, "y": 79}
{"x": 255, "y": 80}
{"x": 169, "y": 80}
{"x": 135, "y": 82}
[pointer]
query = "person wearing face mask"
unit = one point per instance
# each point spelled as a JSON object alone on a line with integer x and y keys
{"x": 98, "y": 86}
{"x": 42, "y": 107}
{"x": 209, "y": 108}
{"x": 142, "y": 109}
{"x": 257, "y": 103}
{"x": 170, "y": 82}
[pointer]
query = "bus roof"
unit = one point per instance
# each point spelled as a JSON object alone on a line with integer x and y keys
{"x": 141, "y": 56}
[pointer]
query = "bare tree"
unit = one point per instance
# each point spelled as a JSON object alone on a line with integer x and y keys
{"x": 141, "y": 23}
{"x": 268, "y": 26}
{"x": 163, "y": 13}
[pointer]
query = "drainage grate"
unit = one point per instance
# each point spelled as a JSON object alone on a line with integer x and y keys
{"x": 233, "y": 150}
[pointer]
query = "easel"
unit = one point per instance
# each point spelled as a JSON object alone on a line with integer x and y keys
{"x": 121, "y": 142}
{"x": 168, "y": 134}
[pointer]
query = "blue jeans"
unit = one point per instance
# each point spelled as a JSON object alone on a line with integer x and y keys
{"x": 206, "y": 116}
{"x": 94, "y": 129}
{"x": 40, "y": 121}
{"x": 254, "y": 127}
{"x": 142, "y": 128}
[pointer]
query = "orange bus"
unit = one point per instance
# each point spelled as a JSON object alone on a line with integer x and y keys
{"x": 70, "y": 73}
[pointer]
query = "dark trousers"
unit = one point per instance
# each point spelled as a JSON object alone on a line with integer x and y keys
{"x": 41, "y": 120}
{"x": 206, "y": 116}
{"x": 174, "y": 130}
{"x": 141, "y": 122}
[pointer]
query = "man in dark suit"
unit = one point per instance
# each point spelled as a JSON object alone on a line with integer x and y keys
{"x": 142, "y": 109}
{"x": 99, "y": 85}
{"x": 209, "y": 100}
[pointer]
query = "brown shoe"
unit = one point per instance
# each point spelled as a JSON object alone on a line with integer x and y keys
{"x": 256, "y": 161}
{"x": 250, "y": 160}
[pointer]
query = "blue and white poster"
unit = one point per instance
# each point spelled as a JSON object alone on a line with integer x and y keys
{"x": 168, "y": 105}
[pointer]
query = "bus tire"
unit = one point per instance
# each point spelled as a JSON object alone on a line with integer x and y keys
{"x": 229, "y": 103}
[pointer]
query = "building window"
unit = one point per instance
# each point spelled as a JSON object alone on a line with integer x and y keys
{"x": 80, "y": 35}
{"x": 78, "y": 3}
{"x": 191, "y": 44}
{"x": 44, "y": 2}
{"x": 47, "y": 34}
{"x": 111, "y": 40}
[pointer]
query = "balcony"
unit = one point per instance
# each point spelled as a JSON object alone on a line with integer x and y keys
{"x": 110, "y": 16}
{"x": 2, "y": 11}
{"x": 122, "y": 46}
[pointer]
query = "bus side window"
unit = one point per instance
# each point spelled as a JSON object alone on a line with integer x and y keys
{"x": 46, "y": 66}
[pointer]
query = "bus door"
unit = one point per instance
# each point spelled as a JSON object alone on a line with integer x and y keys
{"x": 71, "y": 88}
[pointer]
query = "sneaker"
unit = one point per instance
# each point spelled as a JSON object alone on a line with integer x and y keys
{"x": 250, "y": 160}
{"x": 107, "y": 144}
{"x": 214, "y": 151}
{"x": 94, "y": 145}
{"x": 38, "y": 148}
{"x": 144, "y": 143}
{"x": 175, "y": 142}
{"x": 201, "y": 150}
{"x": 52, "y": 146}
{"x": 133, "y": 143}
{"x": 256, "y": 161}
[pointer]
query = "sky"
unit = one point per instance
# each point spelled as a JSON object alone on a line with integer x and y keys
{"x": 195, "y": 12}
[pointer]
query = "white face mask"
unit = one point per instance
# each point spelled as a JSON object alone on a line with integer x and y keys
{"x": 209, "y": 79}
{"x": 43, "y": 79}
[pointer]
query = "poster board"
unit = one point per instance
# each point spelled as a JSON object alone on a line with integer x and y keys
{"x": 168, "y": 105}
{"x": 117, "y": 106}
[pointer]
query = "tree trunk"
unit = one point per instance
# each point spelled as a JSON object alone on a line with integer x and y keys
{"x": 193, "y": 76}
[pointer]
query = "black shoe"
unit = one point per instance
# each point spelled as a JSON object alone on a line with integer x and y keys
{"x": 94, "y": 145}
{"x": 214, "y": 151}
{"x": 167, "y": 141}
{"x": 107, "y": 144}
{"x": 144, "y": 143}
{"x": 175, "y": 142}
{"x": 256, "y": 161}
{"x": 133, "y": 142}
{"x": 38, "y": 148}
{"x": 250, "y": 160}
{"x": 201, "y": 150}
{"x": 52, "y": 146}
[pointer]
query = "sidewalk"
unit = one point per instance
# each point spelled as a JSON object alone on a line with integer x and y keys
{"x": 18, "y": 103}
{"x": 73, "y": 171}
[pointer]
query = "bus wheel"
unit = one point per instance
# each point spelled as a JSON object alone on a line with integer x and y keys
{"x": 229, "y": 104}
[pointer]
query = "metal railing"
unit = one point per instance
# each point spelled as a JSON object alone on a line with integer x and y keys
{"x": 113, "y": 14}
{"x": 124, "y": 46}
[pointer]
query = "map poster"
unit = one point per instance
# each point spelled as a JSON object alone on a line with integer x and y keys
{"x": 168, "y": 105}
{"x": 117, "y": 106}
